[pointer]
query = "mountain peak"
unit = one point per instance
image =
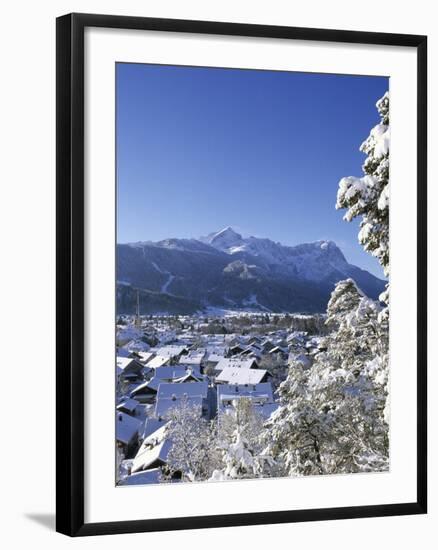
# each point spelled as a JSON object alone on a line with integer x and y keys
{"x": 323, "y": 245}
{"x": 331, "y": 248}
{"x": 227, "y": 231}
{"x": 224, "y": 239}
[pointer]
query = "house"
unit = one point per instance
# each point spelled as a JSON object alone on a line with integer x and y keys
{"x": 127, "y": 430}
{"x": 164, "y": 407}
{"x": 129, "y": 369}
{"x": 296, "y": 338}
{"x": 261, "y": 396}
{"x": 129, "y": 406}
{"x": 240, "y": 363}
{"x": 189, "y": 376}
{"x": 172, "y": 352}
{"x": 236, "y": 349}
{"x": 233, "y": 375}
{"x": 255, "y": 340}
{"x": 252, "y": 351}
{"x": 267, "y": 345}
{"x": 153, "y": 451}
{"x": 171, "y": 373}
{"x": 150, "y": 338}
{"x": 152, "y": 457}
{"x": 146, "y": 392}
{"x": 193, "y": 358}
{"x": 171, "y": 396}
{"x": 213, "y": 359}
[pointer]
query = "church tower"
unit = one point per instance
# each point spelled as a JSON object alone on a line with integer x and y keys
{"x": 137, "y": 321}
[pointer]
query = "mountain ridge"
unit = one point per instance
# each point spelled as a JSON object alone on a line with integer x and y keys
{"x": 224, "y": 269}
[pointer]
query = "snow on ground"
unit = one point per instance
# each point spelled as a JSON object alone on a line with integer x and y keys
{"x": 165, "y": 286}
{"x": 167, "y": 283}
{"x": 252, "y": 301}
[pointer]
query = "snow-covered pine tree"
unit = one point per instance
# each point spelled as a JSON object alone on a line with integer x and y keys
{"x": 357, "y": 334}
{"x": 368, "y": 196}
{"x": 294, "y": 432}
{"x": 331, "y": 415}
{"x": 239, "y": 438}
{"x": 345, "y": 380}
{"x": 194, "y": 452}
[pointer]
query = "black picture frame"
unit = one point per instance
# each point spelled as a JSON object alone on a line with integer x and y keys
{"x": 70, "y": 273}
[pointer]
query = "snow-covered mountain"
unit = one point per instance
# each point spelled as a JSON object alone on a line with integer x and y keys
{"x": 313, "y": 261}
{"x": 227, "y": 270}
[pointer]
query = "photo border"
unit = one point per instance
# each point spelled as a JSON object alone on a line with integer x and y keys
{"x": 70, "y": 273}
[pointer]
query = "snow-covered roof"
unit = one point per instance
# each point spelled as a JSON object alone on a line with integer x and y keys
{"x": 154, "y": 447}
{"x": 148, "y": 456}
{"x": 124, "y": 352}
{"x": 214, "y": 358}
{"x": 184, "y": 389}
{"x": 266, "y": 342}
{"x": 152, "y": 425}
{"x": 193, "y": 358}
{"x": 128, "y": 405}
{"x": 157, "y": 436}
{"x": 145, "y": 356}
{"x": 258, "y": 393}
{"x": 163, "y": 406}
{"x": 297, "y": 335}
{"x": 172, "y": 372}
{"x": 236, "y": 362}
{"x": 170, "y": 396}
{"x": 237, "y": 347}
{"x": 142, "y": 478}
{"x": 146, "y": 387}
{"x": 171, "y": 351}
{"x": 123, "y": 361}
{"x": 230, "y": 396}
{"x": 215, "y": 345}
{"x": 233, "y": 375}
{"x": 252, "y": 351}
{"x": 189, "y": 376}
{"x": 127, "y": 427}
{"x": 158, "y": 361}
{"x": 128, "y": 364}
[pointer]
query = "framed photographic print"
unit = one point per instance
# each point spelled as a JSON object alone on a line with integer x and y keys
{"x": 241, "y": 274}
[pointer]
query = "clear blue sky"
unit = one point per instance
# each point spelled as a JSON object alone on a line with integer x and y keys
{"x": 199, "y": 149}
